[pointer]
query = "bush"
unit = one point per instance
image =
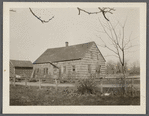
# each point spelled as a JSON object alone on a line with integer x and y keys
{"x": 86, "y": 86}
{"x": 33, "y": 80}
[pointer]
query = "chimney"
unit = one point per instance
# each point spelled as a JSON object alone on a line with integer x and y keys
{"x": 66, "y": 43}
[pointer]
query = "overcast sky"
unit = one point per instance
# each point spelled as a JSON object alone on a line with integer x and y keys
{"x": 29, "y": 38}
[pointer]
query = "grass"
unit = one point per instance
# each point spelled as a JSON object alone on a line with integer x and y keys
{"x": 20, "y": 95}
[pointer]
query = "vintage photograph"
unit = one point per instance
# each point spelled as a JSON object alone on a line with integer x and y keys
{"x": 75, "y": 55}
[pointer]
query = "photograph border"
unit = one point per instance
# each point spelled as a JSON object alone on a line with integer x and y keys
{"x": 72, "y": 109}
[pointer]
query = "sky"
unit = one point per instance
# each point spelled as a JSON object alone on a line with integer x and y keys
{"x": 29, "y": 38}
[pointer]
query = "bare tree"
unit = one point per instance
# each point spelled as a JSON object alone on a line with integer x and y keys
{"x": 39, "y": 18}
{"x": 120, "y": 44}
{"x": 116, "y": 41}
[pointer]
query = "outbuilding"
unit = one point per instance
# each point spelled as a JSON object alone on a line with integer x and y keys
{"x": 20, "y": 68}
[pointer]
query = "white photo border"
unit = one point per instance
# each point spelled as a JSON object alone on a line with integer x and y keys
{"x": 7, "y": 109}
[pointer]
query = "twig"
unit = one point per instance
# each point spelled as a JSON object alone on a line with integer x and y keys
{"x": 130, "y": 46}
{"x": 105, "y": 46}
{"x": 43, "y": 21}
{"x": 12, "y": 10}
{"x": 111, "y": 55}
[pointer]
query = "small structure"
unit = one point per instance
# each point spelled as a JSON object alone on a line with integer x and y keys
{"x": 20, "y": 67}
{"x": 76, "y": 61}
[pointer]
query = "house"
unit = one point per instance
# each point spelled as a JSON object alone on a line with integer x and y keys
{"x": 19, "y": 68}
{"x": 75, "y": 61}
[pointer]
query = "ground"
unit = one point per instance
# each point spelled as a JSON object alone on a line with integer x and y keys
{"x": 32, "y": 95}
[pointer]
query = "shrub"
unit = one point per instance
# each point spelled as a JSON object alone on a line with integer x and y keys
{"x": 33, "y": 80}
{"x": 86, "y": 86}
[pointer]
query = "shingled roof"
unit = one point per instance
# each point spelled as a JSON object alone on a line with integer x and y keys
{"x": 73, "y": 52}
{"x": 21, "y": 63}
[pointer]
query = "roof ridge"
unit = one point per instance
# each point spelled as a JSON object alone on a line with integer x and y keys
{"x": 71, "y": 45}
{"x": 64, "y": 53}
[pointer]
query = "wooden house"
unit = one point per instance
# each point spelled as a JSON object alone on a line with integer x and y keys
{"x": 75, "y": 61}
{"x": 20, "y": 68}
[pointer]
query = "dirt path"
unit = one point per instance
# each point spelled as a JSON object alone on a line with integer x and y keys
{"x": 137, "y": 86}
{"x": 44, "y": 84}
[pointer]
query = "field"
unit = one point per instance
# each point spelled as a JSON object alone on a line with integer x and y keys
{"x": 32, "y": 95}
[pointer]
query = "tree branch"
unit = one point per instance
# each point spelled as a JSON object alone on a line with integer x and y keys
{"x": 103, "y": 10}
{"x": 117, "y": 43}
{"x": 43, "y": 21}
{"x": 127, "y": 43}
{"x": 79, "y": 9}
{"x": 105, "y": 46}
{"x": 106, "y": 31}
{"x": 111, "y": 55}
{"x": 130, "y": 47}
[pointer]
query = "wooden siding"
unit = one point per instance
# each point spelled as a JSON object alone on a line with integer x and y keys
{"x": 94, "y": 58}
{"x": 61, "y": 65}
{"x": 81, "y": 66}
{"x": 22, "y": 71}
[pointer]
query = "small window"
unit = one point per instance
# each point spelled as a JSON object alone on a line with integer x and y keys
{"x": 64, "y": 69}
{"x": 89, "y": 68}
{"x": 97, "y": 57}
{"x": 98, "y": 68}
{"x": 45, "y": 70}
{"x": 73, "y": 68}
{"x": 54, "y": 68}
{"x": 37, "y": 70}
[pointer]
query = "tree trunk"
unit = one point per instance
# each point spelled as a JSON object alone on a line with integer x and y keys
{"x": 124, "y": 81}
{"x": 40, "y": 83}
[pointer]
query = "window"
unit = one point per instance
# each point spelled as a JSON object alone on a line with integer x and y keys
{"x": 54, "y": 69}
{"x": 73, "y": 68}
{"x": 89, "y": 68}
{"x": 98, "y": 68}
{"x": 64, "y": 69}
{"x": 37, "y": 70}
{"x": 45, "y": 70}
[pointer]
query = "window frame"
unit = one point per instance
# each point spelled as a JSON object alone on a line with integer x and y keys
{"x": 64, "y": 69}
{"x": 73, "y": 68}
{"x": 89, "y": 68}
{"x": 45, "y": 70}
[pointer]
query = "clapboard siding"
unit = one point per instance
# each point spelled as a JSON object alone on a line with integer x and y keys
{"x": 94, "y": 58}
{"x": 81, "y": 66}
{"x": 24, "y": 71}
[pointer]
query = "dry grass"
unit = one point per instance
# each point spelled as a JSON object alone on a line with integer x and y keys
{"x": 20, "y": 95}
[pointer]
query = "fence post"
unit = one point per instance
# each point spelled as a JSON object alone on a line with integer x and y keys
{"x": 101, "y": 86}
{"x": 39, "y": 83}
{"x": 25, "y": 81}
{"x": 56, "y": 84}
{"x": 14, "y": 80}
{"x": 132, "y": 87}
{"x": 125, "y": 85}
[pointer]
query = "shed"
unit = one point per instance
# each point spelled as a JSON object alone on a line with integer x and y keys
{"x": 20, "y": 67}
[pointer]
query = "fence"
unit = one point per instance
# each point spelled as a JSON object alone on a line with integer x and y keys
{"x": 106, "y": 85}
{"x": 130, "y": 84}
